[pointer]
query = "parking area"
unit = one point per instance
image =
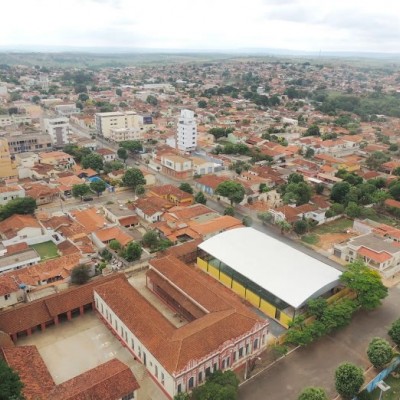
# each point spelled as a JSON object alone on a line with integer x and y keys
{"x": 76, "y": 346}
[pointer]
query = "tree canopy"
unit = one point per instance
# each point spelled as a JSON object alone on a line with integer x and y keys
{"x": 80, "y": 274}
{"x": 98, "y": 186}
{"x": 367, "y": 284}
{"x": 394, "y": 332}
{"x": 348, "y": 380}
{"x": 232, "y": 190}
{"x": 200, "y": 198}
{"x": 93, "y": 160}
{"x": 80, "y": 190}
{"x": 313, "y": 393}
{"x": 219, "y": 386}
{"x": 132, "y": 251}
{"x": 10, "y": 383}
{"x": 22, "y": 205}
{"x": 186, "y": 187}
{"x": 133, "y": 177}
{"x": 379, "y": 352}
{"x": 122, "y": 153}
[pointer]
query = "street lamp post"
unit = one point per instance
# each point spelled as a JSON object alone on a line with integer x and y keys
{"x": 384, "y": 388}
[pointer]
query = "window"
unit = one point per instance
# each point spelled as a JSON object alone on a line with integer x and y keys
{"x": 179, "y": 388}
{"x": 156, "y": 371}
{"x": 129, "y": 396}
{"x": 255, "y": 345}
{"x": 7, "y": 296}
{"x": 234, "y": 356}
{"x": 132, "y": 344}
{"x": 200, "y": 377}
{"x": 247, "y": 349}
{"x": 191, "y": 382}
{"x": 241, "y": 352}
{"x": 215, "y": 367}
{"x": 162, "y": 379}
{"x": 208, "y": 371}
{"x": 223, "y": 364}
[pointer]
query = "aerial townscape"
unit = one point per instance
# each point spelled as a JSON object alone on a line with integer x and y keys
{"x": 198, "y": 224}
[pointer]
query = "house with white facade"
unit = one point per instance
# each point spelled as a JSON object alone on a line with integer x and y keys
{"x": 220, "y": 332}
{"x": 58, "y": 129}
{"x": 8, "y": 193}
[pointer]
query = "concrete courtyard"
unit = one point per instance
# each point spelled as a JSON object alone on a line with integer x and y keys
{"x": 76, "y": 346}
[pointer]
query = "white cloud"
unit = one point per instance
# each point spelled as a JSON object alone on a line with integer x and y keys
{"x": 204, "y": 24}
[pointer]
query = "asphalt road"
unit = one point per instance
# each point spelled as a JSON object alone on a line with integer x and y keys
{"x": 314, "y": 365}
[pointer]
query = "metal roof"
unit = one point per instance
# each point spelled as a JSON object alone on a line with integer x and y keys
{"x": 287, "y": 273}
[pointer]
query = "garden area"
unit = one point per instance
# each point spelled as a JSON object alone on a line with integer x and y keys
{"x": 46, "y": 250}
{"x": 324, "y": 236}
{"x": 393, "y": 393}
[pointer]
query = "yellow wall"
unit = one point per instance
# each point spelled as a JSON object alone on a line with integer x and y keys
{"x": 239, "y": 289}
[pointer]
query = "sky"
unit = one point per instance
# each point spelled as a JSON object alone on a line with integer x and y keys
{"x": 301, "y": 25}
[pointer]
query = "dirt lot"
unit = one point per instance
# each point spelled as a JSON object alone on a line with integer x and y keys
{"x": 327, "y": 241}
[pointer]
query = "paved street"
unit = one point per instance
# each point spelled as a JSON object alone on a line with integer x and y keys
{"x": 315, "y": 364}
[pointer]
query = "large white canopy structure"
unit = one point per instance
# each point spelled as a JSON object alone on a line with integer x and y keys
{"x": 285, "y": 272}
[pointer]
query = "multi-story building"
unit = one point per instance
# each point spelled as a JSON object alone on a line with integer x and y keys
{"x": 186, "y": 133}
{"x": 122, "y": 134}
{"x": 129, "y": 120}
{"x": 7, "y": 166}
{"x": 66, "y": 110}
{"x": 58, "y": 129}
{"x": 24, "y": 142}
{"x": 177, "y": 166}
{"x": 186, "y": 138}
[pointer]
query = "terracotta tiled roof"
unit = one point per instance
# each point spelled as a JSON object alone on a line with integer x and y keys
{"x": 109, "y": 381}
{"x": 373, "y": 255}
{"x": 170, "y": 190}
{"x": 392, "y": 203}
{"x": 11, "y": 225}
{"x": 114, "y": 232}
{"x": 175, "y": 348}
{"x": 211, "y": 181}
{"x": 16, "y": 248}
{"x": 43, "y": 310}
{"x": 29, "y": 365}
{"x": 89, "y": 219}
{"x": 39, "y": 190}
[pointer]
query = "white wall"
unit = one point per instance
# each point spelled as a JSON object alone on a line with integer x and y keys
{"x": 135, "y": 345}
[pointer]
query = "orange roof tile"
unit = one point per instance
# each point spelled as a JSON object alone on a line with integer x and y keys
{"x": 373, "y": 255}
{"x": 114, "y": 233}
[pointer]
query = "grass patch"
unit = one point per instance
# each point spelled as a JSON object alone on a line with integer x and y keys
{"x": 310, "y": 239}
{"x": 46, "y": 250}
{"x": 338, "y": 226}
{"x": 392, "y": 394}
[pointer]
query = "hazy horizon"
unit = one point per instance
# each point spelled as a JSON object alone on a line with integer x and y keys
{"x": 291, "y": 26}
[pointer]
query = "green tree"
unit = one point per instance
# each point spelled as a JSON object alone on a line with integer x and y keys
{"x": 152, "y": 100}
{"x": 313, "y": 393}
{"x": 132, "y": 252}
{"x": 10, "y": 383}
{"x": 353, "y": 210}
{"x": 376, "y": 159}
{"x": 319, "y": 188}
{"x": 122, "y": 154}
{"x": 313, "y": 130}
{"x": 98, "y": 186}
{"x": 150, "y": 239}
{"x": 394, "y": 190}
{"x": 309, "y": 153}
{"x": 300, "y": 226}
{"x": 379, "y": 352}
{"x": 110, "y": 166}
{"x": 133, "y": 177}
{"x": 339, "y": 192}
{"x": 93, "y": 160}
{"x": 182, "y": 396}
{"x": 348, "y": 380}
{"x": 80, "y": 190}
{"x": 317, "y": 307}
{"x": 200, "y": 198}
{"x": 83, "y": 97}
{"x": 285, "y": 226}
{"x": 132, "y": 145}
{"x": 229, "y": 211}
{"x": 294, "y": 177}
{"x": 265, "y": 216}
{"x": 25, "y": 205}
{"x": 367, "y": 284}
{"x": 394, "y": 332}
{"x": 202, "y": 104}
{"x": 186, "y": 187}
{"x": 115, "y": 245}
{"x": 234, "y": 191}
{"x": 118, "y": 92}
{"x": 80, "y": 274}
{"x": 219, "y": 386}
{"x": 247, "y": 220}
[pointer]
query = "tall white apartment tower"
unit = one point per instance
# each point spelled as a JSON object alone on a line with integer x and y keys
{"x": 186, "y": 138}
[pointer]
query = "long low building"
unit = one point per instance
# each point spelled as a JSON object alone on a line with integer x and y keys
{"x": 220, "y": 332}
{"x": 272, "y": 276}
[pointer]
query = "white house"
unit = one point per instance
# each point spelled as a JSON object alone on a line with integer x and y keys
{"x": 8, "y": 193}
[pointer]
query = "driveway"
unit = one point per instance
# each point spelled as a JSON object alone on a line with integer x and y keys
{"x": 315, "y": 365}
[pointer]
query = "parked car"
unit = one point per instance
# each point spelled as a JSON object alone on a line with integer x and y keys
{"x": 87, "y": 198}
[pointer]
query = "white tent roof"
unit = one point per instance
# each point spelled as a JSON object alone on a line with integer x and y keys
{"x": 287, "y": 273}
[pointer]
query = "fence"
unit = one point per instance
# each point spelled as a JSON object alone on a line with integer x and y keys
{"x": 382, "y": 375}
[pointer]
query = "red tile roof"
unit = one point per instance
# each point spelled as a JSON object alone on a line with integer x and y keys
{"x": 29, "y": 365}
{"x": 373, "y": 255}
{"x": 109, "y": 381}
